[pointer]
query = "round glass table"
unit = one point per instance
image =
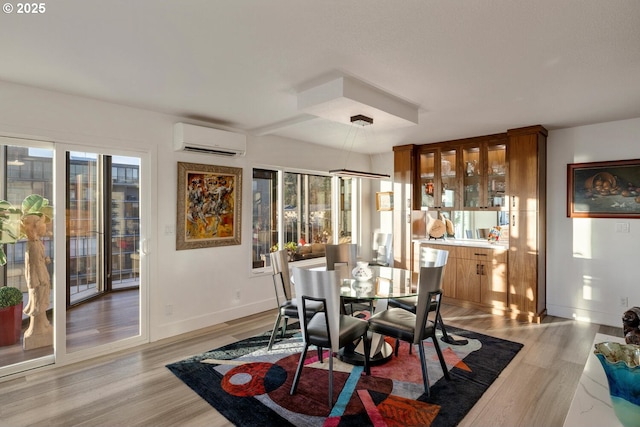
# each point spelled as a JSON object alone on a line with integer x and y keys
{"x": 385, "y": 283}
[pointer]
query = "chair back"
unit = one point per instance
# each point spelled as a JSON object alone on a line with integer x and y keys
{"x": 382, "y": 248}
{"x": 280, "y": 265}
{"x": 344, "y": 253}
{"x": 429, "y": 298}
{"x": 324, "y": 285}
{"x": 430, "y": 257}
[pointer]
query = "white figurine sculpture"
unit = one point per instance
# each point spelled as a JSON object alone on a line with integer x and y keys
{"x": 40, "y": 331}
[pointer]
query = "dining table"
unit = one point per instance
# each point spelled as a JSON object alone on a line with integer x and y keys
{"x": 384, "y": 283}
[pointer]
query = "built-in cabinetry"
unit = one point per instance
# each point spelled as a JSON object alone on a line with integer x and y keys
{"x": 527, "y": 227}
{"x": 469, "y": 173}
{"x": 475, "y": 276}
{"x": 485, "y": 173}
{"x": 501, "y": 172}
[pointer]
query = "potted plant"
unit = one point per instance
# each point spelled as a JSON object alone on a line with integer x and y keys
{"x": 10, "y": 315}
{"x": 291, "y": 247}
{"x": 28, "y": 221}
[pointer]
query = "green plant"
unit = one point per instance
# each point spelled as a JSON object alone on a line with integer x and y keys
{"x": 291, "y": 246}
{"x": 9, "y": 296}
{"x": 11, "y": 219}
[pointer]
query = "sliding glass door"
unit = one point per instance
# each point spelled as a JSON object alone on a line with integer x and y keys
{"x": 103, "y": 243}
{"x": 98, "y": 260}
{"x": 26, "y": 168}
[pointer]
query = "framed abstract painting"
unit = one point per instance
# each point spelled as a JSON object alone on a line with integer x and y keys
{"x": 209, "y": 206}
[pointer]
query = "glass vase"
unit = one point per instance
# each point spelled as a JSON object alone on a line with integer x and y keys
{"x": 620, "y": 363}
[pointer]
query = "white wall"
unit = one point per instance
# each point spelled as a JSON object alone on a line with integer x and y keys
{"x": 589, "y": 265}
{"x": 201, "y": 284}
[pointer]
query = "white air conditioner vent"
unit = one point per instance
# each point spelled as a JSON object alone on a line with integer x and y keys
{"x": 200, "y": 139}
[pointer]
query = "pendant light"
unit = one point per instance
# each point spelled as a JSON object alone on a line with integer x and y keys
{"x": 361, "y": 121}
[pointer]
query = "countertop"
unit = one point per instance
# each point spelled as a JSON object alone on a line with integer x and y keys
{"x": 476, "y": 243}
{"x": 591, "y": 404}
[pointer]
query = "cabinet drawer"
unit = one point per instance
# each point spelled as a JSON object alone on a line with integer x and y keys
{"x": 482, "y": 254}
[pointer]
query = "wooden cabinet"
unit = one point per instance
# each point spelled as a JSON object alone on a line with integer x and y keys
{"x": 484, "y": 173}
{"x": 470, "y": 174}
{"x": 502, "y": 172}
{"x": 403, "y": 165}
{"x": 439, "y": 186}
{"x": 527, "y": 228}
{"x": 481, "y": 276}
{"x": 449, "y": 278}
{"x": 474, "y": 276}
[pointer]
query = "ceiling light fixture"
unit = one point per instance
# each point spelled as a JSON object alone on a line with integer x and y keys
{"x": 361, "y": 121}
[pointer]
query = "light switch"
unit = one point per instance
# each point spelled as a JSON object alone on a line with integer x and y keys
{"x": 622, "y": 227}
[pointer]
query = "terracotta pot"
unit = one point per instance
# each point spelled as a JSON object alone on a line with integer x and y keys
{"x": 10, "y": 324}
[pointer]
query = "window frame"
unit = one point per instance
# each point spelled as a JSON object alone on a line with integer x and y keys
{"x": 356, "y": 189}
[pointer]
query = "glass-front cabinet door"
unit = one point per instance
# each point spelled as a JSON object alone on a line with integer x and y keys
{"x": 472, "y": 176}
{"x": 496, "y": 183}
{"x": 448, "y": 178}
{"x": 485, "y": 175}
{"x": 438, "y": 178}
{"x": 427, "y": 170}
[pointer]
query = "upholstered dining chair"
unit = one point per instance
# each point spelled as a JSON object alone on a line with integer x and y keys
{"x": 329, "y": 328}
{"x": 429, "y": 257}
{"x": 346, "y": 254}
{"x": 287, "y": 308}
{"x": 416, "y": 327}
{"x": 381, "y": 247}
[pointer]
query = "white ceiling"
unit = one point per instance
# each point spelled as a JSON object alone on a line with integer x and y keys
{"x": 473, "y": 67}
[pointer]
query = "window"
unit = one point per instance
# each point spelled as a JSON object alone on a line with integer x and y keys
{"x": 299, "y": 209}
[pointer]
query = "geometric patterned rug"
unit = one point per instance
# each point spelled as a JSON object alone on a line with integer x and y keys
{"x": 250, "y": 385}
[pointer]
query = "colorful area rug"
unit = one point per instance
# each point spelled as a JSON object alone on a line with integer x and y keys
{"x": 250, "y": 386}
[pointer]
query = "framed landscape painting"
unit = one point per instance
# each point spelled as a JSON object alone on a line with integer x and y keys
{"x": 209, "y": 206}
{"x": 604, "y": 189}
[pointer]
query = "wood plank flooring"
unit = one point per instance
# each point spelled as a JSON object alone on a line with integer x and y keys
{"x": 112, "y": 317}
{"x": 133, "y": 387}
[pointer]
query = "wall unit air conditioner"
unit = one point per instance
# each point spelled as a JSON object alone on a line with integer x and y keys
{"x": 200, "y": 139}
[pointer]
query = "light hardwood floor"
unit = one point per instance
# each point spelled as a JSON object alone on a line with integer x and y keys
{"x": 133, "y": 387}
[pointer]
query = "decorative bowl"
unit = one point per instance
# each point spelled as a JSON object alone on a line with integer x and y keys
{"x": 621, "y": 364}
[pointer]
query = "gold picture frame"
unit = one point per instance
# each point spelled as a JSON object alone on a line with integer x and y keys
{"x": 209, "y": 206}
{"x": 609, "y": 189}
{"x": 384, "y": 201}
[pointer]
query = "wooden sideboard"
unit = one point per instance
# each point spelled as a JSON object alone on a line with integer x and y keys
{"x": 475, "y": 276}
{"x": 510, "y": 171}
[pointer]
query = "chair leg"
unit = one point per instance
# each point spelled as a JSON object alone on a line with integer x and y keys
{"x": 367, "y": 352}
{"x": 320, "y": 351}
{"x": 423, "y": 364}
{"x": 445, "y": 336}
{"x": 398, "y": 347}
{"x": 284, "y": 327}
{"x": 274, "y": 331}
{"x": 330, "y": 380}
{"x": 296, "y": 378}
{"x": 445, "y": 371}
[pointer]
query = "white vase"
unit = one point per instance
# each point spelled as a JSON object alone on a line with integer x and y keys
{"x": 362, "y": 272}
